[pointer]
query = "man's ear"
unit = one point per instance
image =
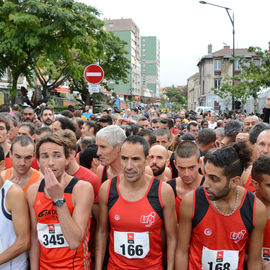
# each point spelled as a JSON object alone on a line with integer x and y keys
{"x": 255, "y": 184}
{"x": 236, "y": 180}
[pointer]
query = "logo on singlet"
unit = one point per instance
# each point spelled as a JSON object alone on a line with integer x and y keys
{"x": 47, "y": 212}
{"x": 208, "y": 232}
{"x": 266, "y": 253}
{"x": 237, "y": 236}
{"x": 148, "y": 220}
{"x": 117, "y": 217}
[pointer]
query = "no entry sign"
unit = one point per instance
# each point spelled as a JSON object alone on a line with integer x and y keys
{"x": 93, "y": 74}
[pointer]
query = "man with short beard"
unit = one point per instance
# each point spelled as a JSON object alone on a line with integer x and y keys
{"x": 46, "y": 117}
{"x": 157, "y": 163}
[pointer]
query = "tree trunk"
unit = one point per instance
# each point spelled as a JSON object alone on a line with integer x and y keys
{"x": 14, "y": 90}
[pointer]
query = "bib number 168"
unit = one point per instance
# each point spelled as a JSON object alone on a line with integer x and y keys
{"x": 219, "y": 266}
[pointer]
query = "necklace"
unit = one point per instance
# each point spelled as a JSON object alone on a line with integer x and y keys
{"x": 235, "y": 205}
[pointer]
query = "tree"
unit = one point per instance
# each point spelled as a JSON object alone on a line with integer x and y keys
{"x": 254, "y": 75}
{"x": 176, "y": 97}
{"x": 50, "y": 40}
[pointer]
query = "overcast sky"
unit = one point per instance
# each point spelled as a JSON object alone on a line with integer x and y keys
{"x": 186, "y": 27}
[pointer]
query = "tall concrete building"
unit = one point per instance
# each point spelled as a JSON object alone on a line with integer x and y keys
{"x": 150, "y": 66}
{"x": 127, "y": 30}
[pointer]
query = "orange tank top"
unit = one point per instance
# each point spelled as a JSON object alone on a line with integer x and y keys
{"x": 33, "y": 179}
{"x": 54, "y": 249}
{"x": 135, "y": 229}
{"x": 249, "y": 185}
{"x": 218, "y": 241}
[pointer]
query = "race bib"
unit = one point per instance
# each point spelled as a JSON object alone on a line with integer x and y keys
{"x": 219, "y": 259}
{"x": 132, "y": 245}
{"x": 51, "y": 236}
{"x": 266, "y": 254}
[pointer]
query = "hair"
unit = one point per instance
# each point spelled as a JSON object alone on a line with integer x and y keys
{"x": 69, "y": 138}
{"x": 66, "y": 123}
{"x": 206, "y": 136}
{"x": 162, "y": 132}
{"x": 106, "y": 119}
{"x": 233, "y": 159}
{"x": 28, "y": 108}
{"x": 155, "y": 120}
{"x": 46, "y": 109}
{"x": 232, "y": 128}
{"x": 2, "y": 153}
{"x": 87, "y": 140}
{"x": 138, "y": 140}
{"x": 149, "y": 133}
{"x": 113, "y": 134}
{"x": 31, "y": 127}
{"x": 16, "y": 107}
{"x": 188, "y": 137}
{"x": 11, "y": 118}
{"x": 86, "y": 157}
{"x": 52, "y": 138}
{"x": 5, "y": 108}
{"x": 23, "y": 141}
{"x": 260, "y": 166}
{"x": 127, "y": 129}
{"x": 219, "y": 123}
{"x": 42, "y": 130}
{"x": 4, "y": 119}
{"x": 203, "y": 121}
{"x": 256, "y": 130}
{"x": 91, "y": 124}
{"x": 187, "y": 149}
{"x": 221, "y": 131}
{"x": 142, "y": 118}
{"x": 195, "y": 124}
{"x": 67, "y": 113}
{"x": 167, "y": 121}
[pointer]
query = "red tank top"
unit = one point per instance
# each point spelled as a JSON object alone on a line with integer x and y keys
{"x": 249, "y": 185}
{"x": 218, "y": 241}
{"x": 135, "y": 229}
{"x": 54, "y": 249}
{"x": 178, "y": 200}
{"x": 266, "y": 242}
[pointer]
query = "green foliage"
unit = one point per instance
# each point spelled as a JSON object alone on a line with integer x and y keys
{"x": 53, "y": 41}
{"x": 176, "y": 96}
{"x": 251, "y": 79}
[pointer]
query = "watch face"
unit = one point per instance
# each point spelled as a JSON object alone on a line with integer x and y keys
{"x": 59, "y": 202}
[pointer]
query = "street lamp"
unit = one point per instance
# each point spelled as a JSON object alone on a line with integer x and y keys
{"x": 233, "y": 53}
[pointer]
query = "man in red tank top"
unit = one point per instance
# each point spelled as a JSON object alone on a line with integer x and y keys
{"x": 135, "y": 207}
{"x": 219, "y": 220}
{"x": 261, "y": 179}
{"x": 60, "y": 209}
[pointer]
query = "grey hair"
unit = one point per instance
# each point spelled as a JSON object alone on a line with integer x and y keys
{"x": 221, "y": 131}
{"x": 113, "y": 134}
{"x": 232, "y": 128}
{"x": 256, "y": 131}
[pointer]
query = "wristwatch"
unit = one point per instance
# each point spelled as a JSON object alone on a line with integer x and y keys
{"x": 59, "y": 202}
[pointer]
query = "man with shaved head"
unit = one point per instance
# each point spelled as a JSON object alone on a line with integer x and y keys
{"x": 158, "y": 160}
{"x": 249, "y": 122}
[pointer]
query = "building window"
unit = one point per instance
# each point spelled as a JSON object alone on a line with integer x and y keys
{"x": 217, "y": 83}
{"x": 236, "y": 65}
{"x": 217, "y": 64}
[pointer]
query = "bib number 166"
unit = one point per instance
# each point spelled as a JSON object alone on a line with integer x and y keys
{"x": 132, "y": 250}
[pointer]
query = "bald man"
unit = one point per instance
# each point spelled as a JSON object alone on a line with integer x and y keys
{"x": 158, "y": 160}
{"x": 249, "y": 122}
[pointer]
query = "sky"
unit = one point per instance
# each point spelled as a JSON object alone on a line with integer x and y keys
{"x": 186, "y": 27}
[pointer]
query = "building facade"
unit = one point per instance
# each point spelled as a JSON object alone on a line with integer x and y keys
{"x": 213, "y": 69}
{"x": 193, "y": 87}
{"x": 127, "y": 31}
{"x": 150, "y": 66}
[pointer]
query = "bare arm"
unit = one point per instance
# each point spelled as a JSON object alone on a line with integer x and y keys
{"x": 254, "y": 261}
{"x": 184, "y": 233}
{"x": 170, "y": 223}
{"x": 99, "y": 171}
{"x": 17, "y": 205}
{"x": 34, "y": 252}
{"x": 102, "y": 228}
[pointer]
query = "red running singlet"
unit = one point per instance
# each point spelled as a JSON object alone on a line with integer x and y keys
{"x": 54, "y": 249}
{"x": 135, "y": 229}
{"x": 218, "y": 241}
{"x": 266, "y": 242}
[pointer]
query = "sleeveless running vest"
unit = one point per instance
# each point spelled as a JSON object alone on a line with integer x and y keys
{"x": 7, "y": 233}
{"x": 33, "y": 179}
{"x": 54, "y": 249}
{"x": 249, "y": 185}
{"x": 104, "y": 175}
{"x": 218, "y": 241}
{"x": 135, "y": 229}
{"x": 266, "y": 242}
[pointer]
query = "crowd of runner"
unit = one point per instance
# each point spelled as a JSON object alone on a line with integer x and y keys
{"x": 134, "y": 189}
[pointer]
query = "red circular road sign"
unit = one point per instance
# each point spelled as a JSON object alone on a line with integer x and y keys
{"x": 93, "y": 74}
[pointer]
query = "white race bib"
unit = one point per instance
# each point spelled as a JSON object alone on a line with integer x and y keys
{"x": 51, "y": 236}
{"x": 266, "y": 254}
{"x": 219, "y": 259}
{"x": 132, "y": 245}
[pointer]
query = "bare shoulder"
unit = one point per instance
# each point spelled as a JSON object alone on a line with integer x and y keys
{"x": 2, "y": 174}
{"x": 100, "y": 170}
{"x": 15, "y": 197}
{"x": 83, "y": 186}
{"x": 32, "y": 192}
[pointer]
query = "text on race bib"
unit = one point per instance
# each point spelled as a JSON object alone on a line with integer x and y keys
{"x": 219, "y": 259}
{"x": 51, "y": 236}
{"x": 132, "y": 245}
